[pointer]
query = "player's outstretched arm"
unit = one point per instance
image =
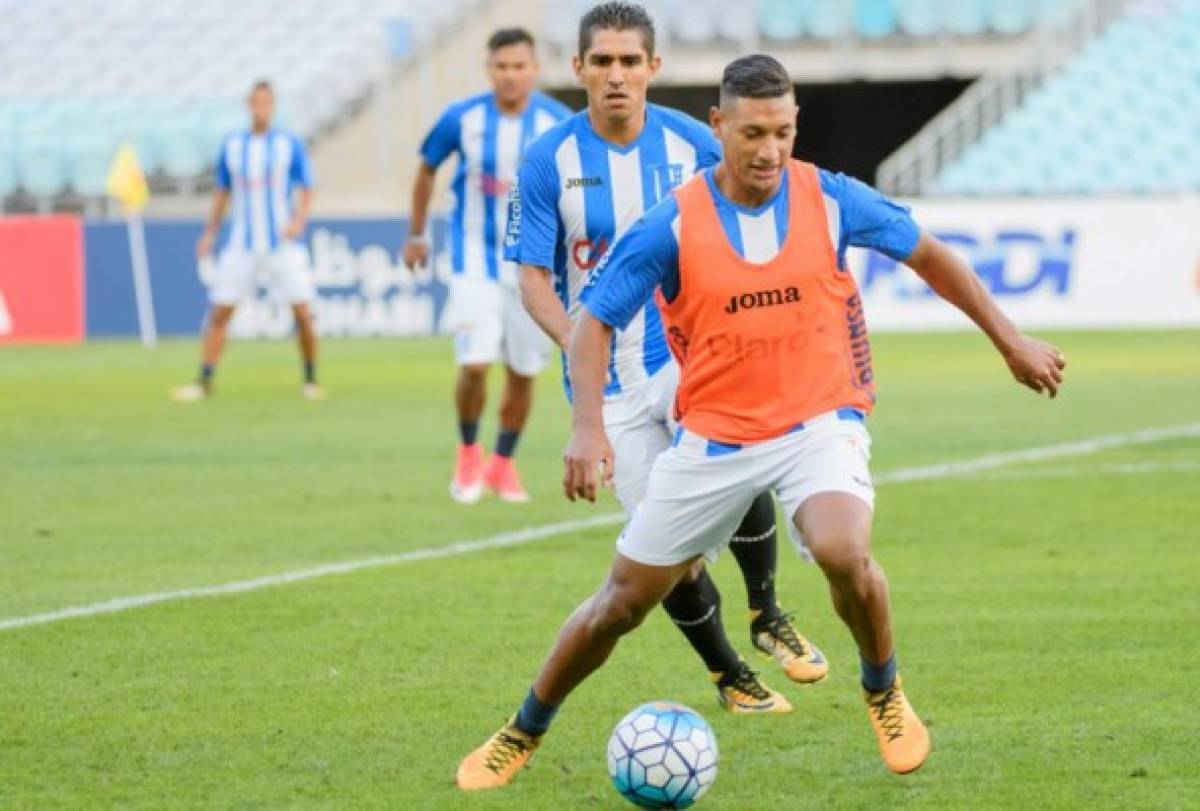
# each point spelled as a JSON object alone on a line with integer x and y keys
{"x": 1033, "y": 363}
{"x": 543, "y": 304}
{"x": 220, "y": 203}
{"x": 588, "y": 449}
{"x": 299, "y": 221}
{"x": 416, "y": 248}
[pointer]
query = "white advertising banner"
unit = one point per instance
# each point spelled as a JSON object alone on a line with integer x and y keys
{"x": 1051, "y": 263}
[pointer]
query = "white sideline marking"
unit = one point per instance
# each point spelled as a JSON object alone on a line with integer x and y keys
{"x": 520, "y": 536}
{"x": 1126, "y": 469}
{"x": 1083, "y": 447}
{"x": 530, "y": 534}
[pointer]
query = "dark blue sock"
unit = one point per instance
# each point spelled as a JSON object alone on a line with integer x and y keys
{"x": 206, "y": 372}
{"x": 468, "y": 432}
{"x": 878, "y": 677}
{"x": 310, "y": 371}
{"x": 534, "y": 717}
{"x": 506, "y": 443}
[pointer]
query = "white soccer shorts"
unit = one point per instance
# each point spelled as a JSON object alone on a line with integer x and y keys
{"x": 639, "y": 426}
{"x": 490, "y": 325}
{"x": 699, "y": 490}
{"x": 284, "y": 272}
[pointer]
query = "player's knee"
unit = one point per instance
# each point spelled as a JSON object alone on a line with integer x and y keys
{"x": 474, "y": 373}
{"x": 616, "y": 613}
{"x": 220, "y": 316}
{"x": 843, "y": 554}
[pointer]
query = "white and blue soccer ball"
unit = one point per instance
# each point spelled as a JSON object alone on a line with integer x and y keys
{"x": 662, "y": 755}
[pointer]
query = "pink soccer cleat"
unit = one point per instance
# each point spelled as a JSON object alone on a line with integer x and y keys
{"x": 500, "y": 475}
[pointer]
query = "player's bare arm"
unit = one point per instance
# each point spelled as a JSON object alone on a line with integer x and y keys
{"x": 299, "y": 221}
{"x": 1036, "y": 364}
{"x": 416, "y": 248}
{"x": 204, "y": 245}
{"x": 588, "y": 449}
{"x": 543, "y": 304}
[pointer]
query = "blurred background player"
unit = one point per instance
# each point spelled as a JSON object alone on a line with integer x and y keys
{"x": 580, "y": 188}
{"x": 259, "y": 169}
{"x": 489, "y": 132}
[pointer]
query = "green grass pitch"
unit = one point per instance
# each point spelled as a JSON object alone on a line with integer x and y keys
{"x": 1047, "y": 613}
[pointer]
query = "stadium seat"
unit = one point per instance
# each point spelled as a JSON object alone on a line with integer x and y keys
{"x": 697, "y": 23}
{"x": 1010, "y": 16}
{"x": 72, "y": 62}
{"x": 90, "y": 160}
{"x": 965, "y": 18}
{"x": 782, "y": 20}
{"x": 830, "y": 19}
{"x": 874, "y": 19}
{"x": 919, "y": 18}
{"x": 1121, "y": 117}
{"x": 8, "y": 167}
{"x": 42, "y": 169}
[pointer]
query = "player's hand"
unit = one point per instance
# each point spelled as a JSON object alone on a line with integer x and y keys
{"x": 294, "y": 230}
{"x": 1036, "y": 364}
{"x": 416, "y": 254}
{"x": 204, "y": 245}
{"x": 587, "y": 460}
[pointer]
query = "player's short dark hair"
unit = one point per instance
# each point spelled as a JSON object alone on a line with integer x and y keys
{"x": 757, "y": 76}
{"x": 262, "y": 84}
{"x": 616, "y": 16}
{"x": 503, "y": 37}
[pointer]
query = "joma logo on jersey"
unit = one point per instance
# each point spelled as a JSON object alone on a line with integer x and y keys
{"x": 763, "y": 298}
{"x": 584, "y": 182}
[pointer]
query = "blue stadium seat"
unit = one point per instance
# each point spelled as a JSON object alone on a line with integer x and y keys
{"x": 182, "y": 156}
{"x": 782, "y": 20}
{"x": 1010, "y": 16}
{"x": 90, "y": 159}
{"x": 919, "y": 18}
{"x": 874, "y": 19}
{"x": 42, "y": 168}
{"x": 965, "y": 18}
{"x": 1122, "y": 117}
{"x": 829, "y": 19}
{"x": 8, "y": 166}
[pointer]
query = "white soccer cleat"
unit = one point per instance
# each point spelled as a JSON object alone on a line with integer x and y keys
{"x": 313, "y": 392}
{"x": 188, "y": 393}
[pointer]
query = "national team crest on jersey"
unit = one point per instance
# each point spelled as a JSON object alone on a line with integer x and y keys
{"x": 667, "y": 177}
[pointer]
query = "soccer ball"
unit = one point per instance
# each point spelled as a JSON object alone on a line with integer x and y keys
{"x": 662, "y": 755}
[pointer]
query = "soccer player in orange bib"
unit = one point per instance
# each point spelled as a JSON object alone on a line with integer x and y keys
{"x": 776, "y": 384}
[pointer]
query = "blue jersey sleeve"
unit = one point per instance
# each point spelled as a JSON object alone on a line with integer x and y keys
{"x": 221, "y": 174}
{"x": 300, "y": 172}
{"x": 644, "y": 258}
{"x": 708, "y": 151}
{"x": 870, "y": 220}
{"x": 442, "y": 139}
{"x": 531, "y": 236}
{"x": 696, "y": 133}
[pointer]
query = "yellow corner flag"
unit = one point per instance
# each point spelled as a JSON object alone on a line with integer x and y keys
{"x": 126, "y": 182}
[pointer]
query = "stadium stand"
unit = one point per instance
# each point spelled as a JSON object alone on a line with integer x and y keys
{"x": 77, "y": 77}
{"x": 698, "y": 22}
{"x": 1121, "y": 116}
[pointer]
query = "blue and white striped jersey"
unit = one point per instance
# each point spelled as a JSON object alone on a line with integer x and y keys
{"x": 648, "y": 257}
{"x": 577, "y": 195}
{"x": 489, "y": 146}
{"x": 260, "y": 172}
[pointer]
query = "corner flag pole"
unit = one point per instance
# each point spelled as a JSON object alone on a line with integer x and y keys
{"x": 128, "y": 185}
{"x": 147, "y": 326}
